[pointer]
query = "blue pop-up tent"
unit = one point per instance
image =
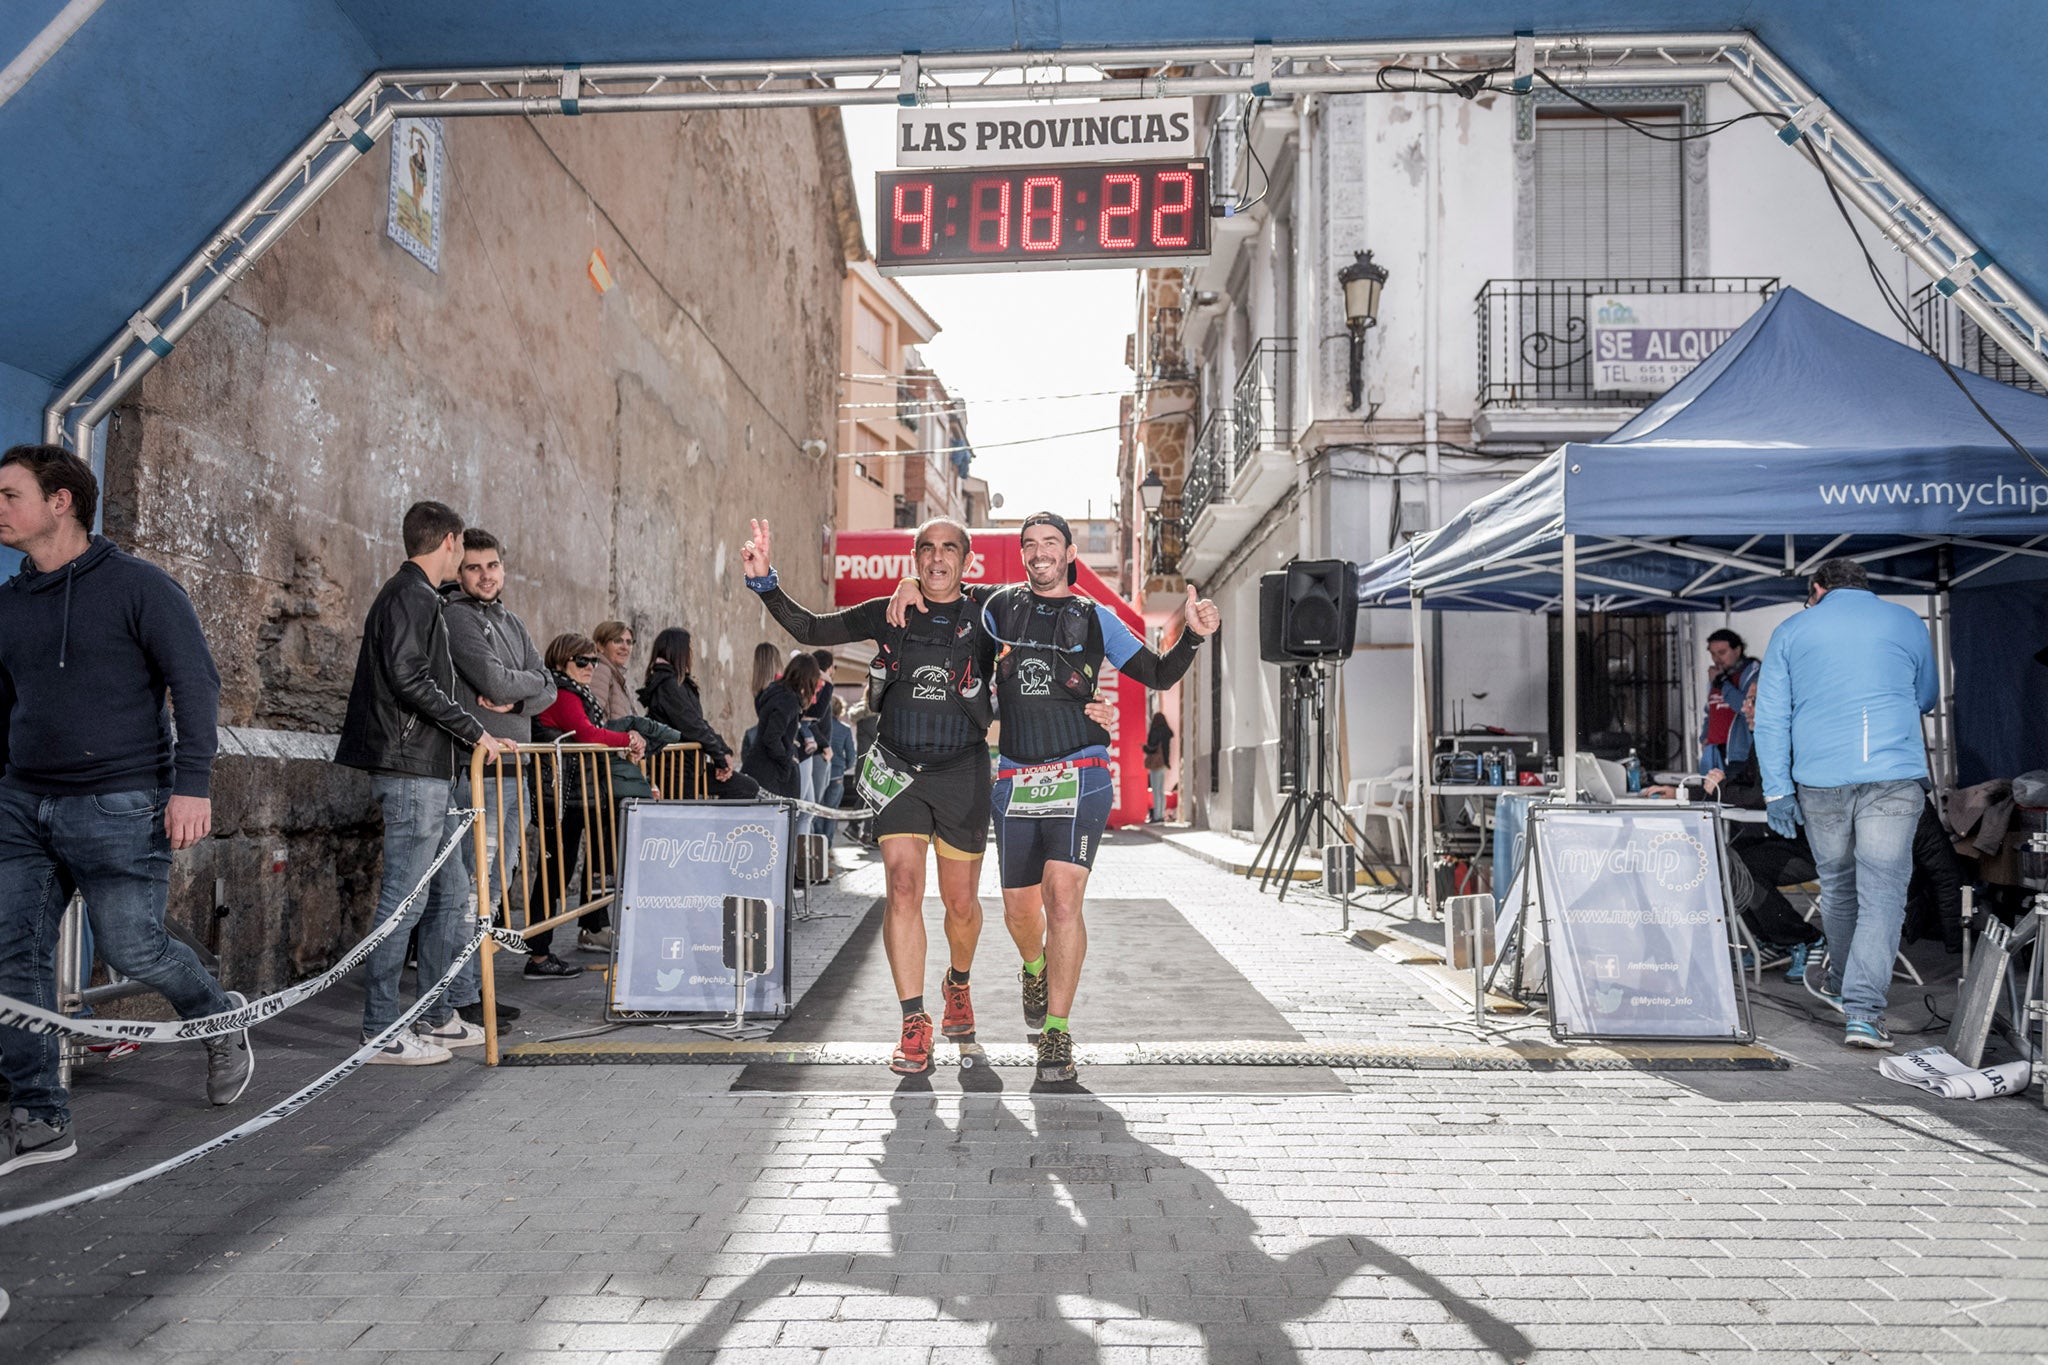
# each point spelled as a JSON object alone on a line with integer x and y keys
{"x": 1804, "y": 437}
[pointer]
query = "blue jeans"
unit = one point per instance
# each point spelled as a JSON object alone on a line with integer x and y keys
{"x": 114, "y": 850}
{"x": 835, "y": 790}
{"x": 812, "y": 772}
{"x": 513, "y": 842}
{"x": 417, "y": 821}
{"x": 1862, "y": 841}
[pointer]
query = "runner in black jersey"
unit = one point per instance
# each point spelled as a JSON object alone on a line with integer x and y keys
{"x": 1052, "y": 795}
{"x": 928, "y": 770}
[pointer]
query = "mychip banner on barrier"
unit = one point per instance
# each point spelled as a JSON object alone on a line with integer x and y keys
{"x": 681, "y": 860}
{"x": 1636, "y": 923}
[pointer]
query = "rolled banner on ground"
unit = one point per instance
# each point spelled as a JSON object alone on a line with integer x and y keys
{"x": 1932, "y": 1069}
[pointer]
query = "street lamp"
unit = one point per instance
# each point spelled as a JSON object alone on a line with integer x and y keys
{"x": 1362, "y": 281}
{"x": 1152, "y": 491}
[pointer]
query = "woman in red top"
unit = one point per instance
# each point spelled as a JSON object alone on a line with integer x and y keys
{"x": 577, "y": 717}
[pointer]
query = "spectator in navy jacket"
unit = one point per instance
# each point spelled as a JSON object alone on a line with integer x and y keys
{"x": 100, "y": 782}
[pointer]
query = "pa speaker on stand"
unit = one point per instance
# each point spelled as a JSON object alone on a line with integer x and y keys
{"x": 1308, "y": 618}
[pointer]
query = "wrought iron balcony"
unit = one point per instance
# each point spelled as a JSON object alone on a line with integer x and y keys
{"x": 1958, "y": 339}
{"x": 1262, "y": 400}
{"x": 1208, "y": 469}
{"x": 1536, "y": 341}
{"x": 1164, "y": 540}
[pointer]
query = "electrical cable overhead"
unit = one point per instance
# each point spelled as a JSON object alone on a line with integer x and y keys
{"x": 979, "y": 446}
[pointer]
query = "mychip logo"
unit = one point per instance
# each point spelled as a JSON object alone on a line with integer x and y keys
{"x": 1674, "y": 860}
{"x": 747, "y": 851}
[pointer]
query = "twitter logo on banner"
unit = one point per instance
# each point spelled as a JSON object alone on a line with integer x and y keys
{"x": 668, "y": 981}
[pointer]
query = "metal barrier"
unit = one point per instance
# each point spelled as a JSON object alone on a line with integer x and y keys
{"x": 550, "y": 820}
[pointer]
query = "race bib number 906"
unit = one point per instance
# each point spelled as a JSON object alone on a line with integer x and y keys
{"x": 879, "y": 783}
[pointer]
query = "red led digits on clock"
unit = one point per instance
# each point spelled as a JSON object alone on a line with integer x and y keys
{"x": 1119, "y": 211}
{"x": 911, "y": 230}
{"x": 1041, "y": 228}
{"x": 1173, "y": 196}
{"x": 988, "y": 205}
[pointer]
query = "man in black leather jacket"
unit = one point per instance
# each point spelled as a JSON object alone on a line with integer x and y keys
{"x": 405, "y": 728}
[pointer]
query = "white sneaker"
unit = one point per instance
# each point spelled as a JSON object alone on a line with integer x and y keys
{"x": 409, "y": 1049}
{"x": 595, "y": 941}
{"x": 457, "y": 1032}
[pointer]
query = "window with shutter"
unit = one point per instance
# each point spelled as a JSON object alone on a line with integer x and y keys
{"x": 1609, "y": 202}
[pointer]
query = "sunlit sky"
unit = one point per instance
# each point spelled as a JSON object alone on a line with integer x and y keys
{"x": 1012, "y": 336}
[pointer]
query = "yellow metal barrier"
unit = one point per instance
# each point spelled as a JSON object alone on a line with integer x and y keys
{"x": 550, "y": 819}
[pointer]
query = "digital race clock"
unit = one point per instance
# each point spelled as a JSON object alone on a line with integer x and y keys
{"x": 1023, "y": 217}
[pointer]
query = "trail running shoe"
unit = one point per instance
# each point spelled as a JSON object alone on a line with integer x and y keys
{"x": 1866, "y": 1033}
{"x": 1055, "y": 1055}
{"x": 230, "y": 1061}
{"x": 1034, "y": 1000}
{"x": 914, "y": 1053}
{"x": 959, "y": 1017}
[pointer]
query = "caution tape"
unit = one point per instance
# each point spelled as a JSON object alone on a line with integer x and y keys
{"x": 283, "y": 1109}
{"x": 832, "y": 812}
{"x": 34, "y": 1019}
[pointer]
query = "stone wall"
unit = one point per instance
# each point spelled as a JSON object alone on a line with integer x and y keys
{"x": 617, "y": 443}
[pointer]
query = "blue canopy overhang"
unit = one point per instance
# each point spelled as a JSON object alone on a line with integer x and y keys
{"x": 126, "y": 145}
{"x": 1803, "y": 437}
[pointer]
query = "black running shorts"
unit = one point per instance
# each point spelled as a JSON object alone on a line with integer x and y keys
{"x": 1024, "y": 845}
{"x": 946, "y": 803}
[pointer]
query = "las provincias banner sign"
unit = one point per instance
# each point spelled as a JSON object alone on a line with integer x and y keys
{"x": 1045, "y": 134}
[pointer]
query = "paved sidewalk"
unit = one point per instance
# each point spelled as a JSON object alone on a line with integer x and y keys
{"x": 649, "y": 1214}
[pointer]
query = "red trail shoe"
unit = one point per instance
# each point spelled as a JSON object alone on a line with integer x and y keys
{"x": 914, "y": 1053}
{"x": 959, "y": 1018}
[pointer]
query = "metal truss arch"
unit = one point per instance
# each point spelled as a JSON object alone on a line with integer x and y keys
{"x": 1905, "y": 215}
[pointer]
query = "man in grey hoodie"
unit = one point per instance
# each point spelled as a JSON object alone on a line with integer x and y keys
{"x": 502, "y": 680}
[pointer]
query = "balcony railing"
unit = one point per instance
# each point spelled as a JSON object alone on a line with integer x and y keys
{"x": 1208, "y": 469}
{"x": 1262, "y": 400}
{"x": 1536, "y": 342}
{"x": 1162, "y": 554}
{"x": 1958, "y": 339}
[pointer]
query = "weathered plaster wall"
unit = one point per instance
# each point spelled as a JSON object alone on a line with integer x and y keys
{"x": 617, "y": 443}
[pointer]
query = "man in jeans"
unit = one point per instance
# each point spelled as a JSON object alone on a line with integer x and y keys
{"x": 406, "y": 730}
{"x": 96, "y": 791}
{"x": 503, "y": 682}
{"x": 1838, "y": 744}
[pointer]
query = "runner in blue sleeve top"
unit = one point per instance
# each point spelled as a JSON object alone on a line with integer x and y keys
{"x": 1053, "y": 795}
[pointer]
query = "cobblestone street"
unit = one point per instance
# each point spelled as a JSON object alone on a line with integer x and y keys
{"x": 652, "y": 1213}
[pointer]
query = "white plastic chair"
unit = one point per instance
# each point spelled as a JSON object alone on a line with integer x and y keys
{"x": 1385, "y": 799}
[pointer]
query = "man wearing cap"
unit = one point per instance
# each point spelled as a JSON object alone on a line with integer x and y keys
{"x": 1052, "y": 795}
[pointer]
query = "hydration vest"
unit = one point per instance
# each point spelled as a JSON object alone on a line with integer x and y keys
{"x": 904, "y": 655}
{"x": 1048, "y": 677}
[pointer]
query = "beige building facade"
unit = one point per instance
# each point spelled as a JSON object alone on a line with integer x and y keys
{"x": 615, "y": 438}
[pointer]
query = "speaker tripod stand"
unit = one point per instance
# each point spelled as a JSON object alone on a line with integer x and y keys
{"x": 1310, "y": 810}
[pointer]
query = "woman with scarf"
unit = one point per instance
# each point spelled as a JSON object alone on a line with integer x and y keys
{"x": 563, "y": 809}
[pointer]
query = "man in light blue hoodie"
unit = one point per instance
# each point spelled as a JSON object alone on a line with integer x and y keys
{"x": 1839, "y": 748}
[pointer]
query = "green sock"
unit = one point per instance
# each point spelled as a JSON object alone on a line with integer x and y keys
{"x": 1036, "y": 968}
{"x": 1056, "y": 1021}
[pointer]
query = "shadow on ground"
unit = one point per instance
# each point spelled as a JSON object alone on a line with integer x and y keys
{"x": 996, "y": 1221}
